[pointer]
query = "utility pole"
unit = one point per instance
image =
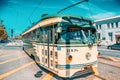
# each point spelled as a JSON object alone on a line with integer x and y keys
{"x": 72, "y": 5}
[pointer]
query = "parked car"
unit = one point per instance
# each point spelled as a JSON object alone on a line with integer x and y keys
{"x": 114, "y": 46}
{"x": 4, "y": 41}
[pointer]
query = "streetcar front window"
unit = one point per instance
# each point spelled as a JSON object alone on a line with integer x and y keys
{"x": 78, "y": 35}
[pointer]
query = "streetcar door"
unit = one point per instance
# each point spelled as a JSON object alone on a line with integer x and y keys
{"x": 52, "y": 49}
{"x": 45, "y": 47}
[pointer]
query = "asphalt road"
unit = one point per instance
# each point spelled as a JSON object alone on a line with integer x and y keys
{"x": 108, "y": 52}
{"x": 15, "y": 64}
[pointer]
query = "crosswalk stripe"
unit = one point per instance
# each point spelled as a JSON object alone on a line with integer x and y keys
{"x": 2, "y": 52}
{"x": 16, "y": 70}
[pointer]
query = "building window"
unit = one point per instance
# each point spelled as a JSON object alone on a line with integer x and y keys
{"x": 103, "y": 38}
{"x": 112, "y": 25}
{"x": 116, "y": 24}
{"x": 97, "y": 26}
{"x": 100, "y": 26}
{"x": 98, "y": 36}
{"x": 110, "y": 34}
{"x": 108, "y": 25}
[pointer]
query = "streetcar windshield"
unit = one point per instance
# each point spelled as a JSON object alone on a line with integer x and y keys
{"x": 78, "y": 35}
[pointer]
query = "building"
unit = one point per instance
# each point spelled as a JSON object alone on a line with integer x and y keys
{"x": 108, "y": 30}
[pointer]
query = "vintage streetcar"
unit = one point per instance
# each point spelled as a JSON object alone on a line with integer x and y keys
{"x": 63, "y": 44}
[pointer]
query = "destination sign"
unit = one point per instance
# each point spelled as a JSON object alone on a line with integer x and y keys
{"x": 74, "y": 20}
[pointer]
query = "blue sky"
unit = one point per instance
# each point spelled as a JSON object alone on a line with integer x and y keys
{"x": 20, "y": 14}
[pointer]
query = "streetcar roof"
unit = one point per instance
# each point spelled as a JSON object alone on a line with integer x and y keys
{"x": 43, "y": 23}
{"x": 50, "y": 19}
{"x": 63, "y": 15}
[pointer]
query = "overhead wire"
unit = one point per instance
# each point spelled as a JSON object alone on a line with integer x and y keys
{"x": 34, "y": 11}
{"x": 89, "y": 8}
{"x": 72, "y": 5}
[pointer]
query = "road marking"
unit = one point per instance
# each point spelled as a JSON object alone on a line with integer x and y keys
{"x": 97, "y": 78}
{"x": 6, "y": 55}
{"x": 12, "y": 59}
{"x": 15, "y": 70}
{"x": 48, "y": 76}
{"x": 1, "y": 52}
{"x": 4, "y": 51}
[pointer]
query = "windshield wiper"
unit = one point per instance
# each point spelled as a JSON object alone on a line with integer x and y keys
{"x": 84, "y": 41}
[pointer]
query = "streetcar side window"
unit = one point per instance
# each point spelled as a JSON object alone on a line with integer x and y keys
{"x": 51, "y": 62}
{"x": 36, "y": 35}
{"x": 56, "y": 55}
{"x": 44, "y": 35}
{"x": 43, "y": 59}
{"x": 51, "y": 53}
{"x": 46, "y": 61}
{"x": 42, "y": 51}
{"x": 46, "y": 52}
{"x": 40, "y": 34}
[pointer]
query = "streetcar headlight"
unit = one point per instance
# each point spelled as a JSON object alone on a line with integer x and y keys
{"x": 88, "y": 56}
{"x": 69, "y": 59}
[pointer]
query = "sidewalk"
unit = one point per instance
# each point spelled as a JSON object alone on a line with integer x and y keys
{"x": 102, "y": 47}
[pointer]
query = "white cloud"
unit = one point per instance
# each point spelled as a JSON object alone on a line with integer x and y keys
{"x": 103, "y": 15}
{"x": 80, "y": 6}
{"x": 14, "y": 2}
{"x": 45, "y": 7}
